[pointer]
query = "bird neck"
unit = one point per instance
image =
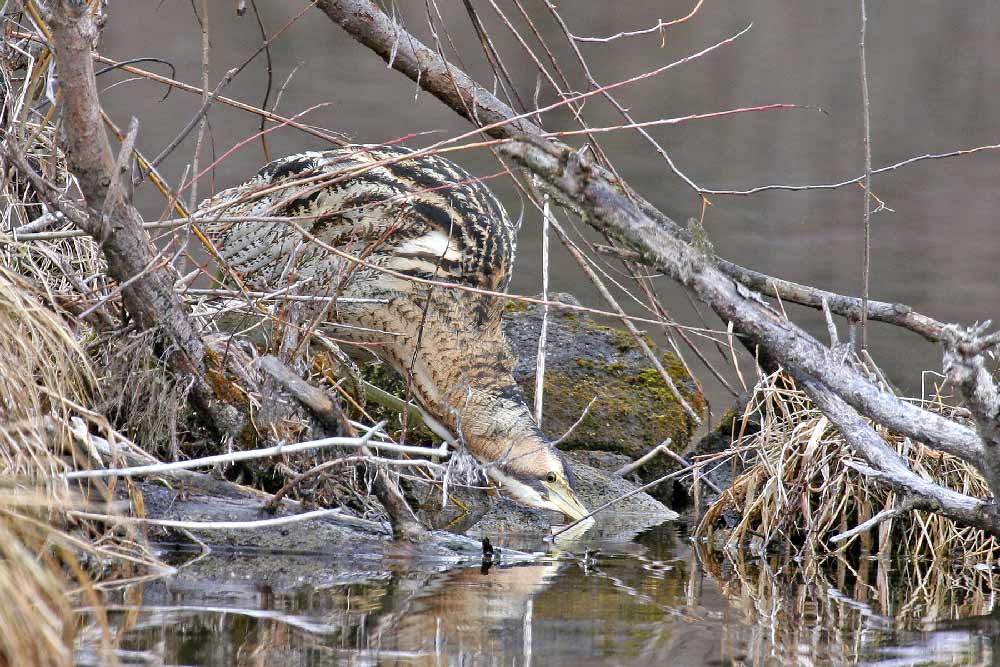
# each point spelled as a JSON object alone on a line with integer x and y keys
{"x": 463, "y": 367}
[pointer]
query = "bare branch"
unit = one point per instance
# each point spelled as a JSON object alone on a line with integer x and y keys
{"x": 660, "y": 27}
{"x": 404, "y": 523}
{"x": 857, "y": 179}
{"x": 248, "y": 454}
{"x": 572, "y": 179}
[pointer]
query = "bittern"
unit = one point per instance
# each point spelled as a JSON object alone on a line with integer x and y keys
{"x": 364, "y": 221}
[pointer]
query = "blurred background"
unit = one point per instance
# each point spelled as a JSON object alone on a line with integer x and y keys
{"x": 933, "y": 76}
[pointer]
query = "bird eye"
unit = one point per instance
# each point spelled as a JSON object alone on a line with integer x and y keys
{"x": 550, "y": 478}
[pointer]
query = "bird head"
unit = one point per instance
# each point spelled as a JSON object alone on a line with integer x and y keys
{"x": 536, "y": 474}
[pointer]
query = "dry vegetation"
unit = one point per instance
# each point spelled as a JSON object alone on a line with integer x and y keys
{"x": 49, "y": 558}
{"x": 801, "y": 488}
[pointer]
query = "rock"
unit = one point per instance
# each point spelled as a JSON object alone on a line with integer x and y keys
{"x": 202, "y": 498}
{"x": 607, "y": 462}
{"x": 594, "y": 488}
{"x": 634, "y": 410}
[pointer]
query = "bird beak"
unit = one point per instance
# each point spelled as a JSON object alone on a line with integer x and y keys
{"x": 562, "y": 496}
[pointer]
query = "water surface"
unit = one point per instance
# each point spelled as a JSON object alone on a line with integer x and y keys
{"x": 633, "y": 603}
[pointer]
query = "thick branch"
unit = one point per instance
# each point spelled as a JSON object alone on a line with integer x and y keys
{"x": 118, "y": 228}
{"x": 850, "y": 307}
{"x": 889, "y": 467}
{"x": 572, "y": 179}
{"x": 147, "y": 283}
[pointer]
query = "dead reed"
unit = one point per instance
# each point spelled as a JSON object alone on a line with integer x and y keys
{"x": 48, "y": 560}
{"x": 799, "y": 488}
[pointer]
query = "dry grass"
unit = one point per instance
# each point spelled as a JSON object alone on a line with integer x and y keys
{"x": 799, "y": 490}
{"x": 47, "y": 559}
{"x": 777, "y": 564}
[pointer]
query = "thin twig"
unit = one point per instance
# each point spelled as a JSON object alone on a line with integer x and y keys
{"x": 659, "y": 27}
{"x": 857, "y": 179}
{"x": 868, "y": 525}
{"x": 615, "y": 501}
{"x": 569, "y": 431}
{"x": 543, "y": 333}
{"x": 865, "y": 101}
{"x": 335, "y": 514}
{"x": 644, "y": 459}
{"x": 195, "y": 120}
{"x": 206, "y": 100}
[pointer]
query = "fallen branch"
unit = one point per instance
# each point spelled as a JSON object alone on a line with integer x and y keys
{"x": 834, "y": 386}
{"x": 249, "y": 454}
{"x": 965, "y": 368}
{"x": 335, "y": 514}
{"x": 864, "y": 526}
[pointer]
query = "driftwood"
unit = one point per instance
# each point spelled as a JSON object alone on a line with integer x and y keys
{"x": 732, "y": 291}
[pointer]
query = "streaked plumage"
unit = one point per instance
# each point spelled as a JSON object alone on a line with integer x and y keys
{"x": 418, "y": 216}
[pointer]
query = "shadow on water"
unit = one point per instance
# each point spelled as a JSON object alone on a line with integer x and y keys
{"x": 649, "y": 601}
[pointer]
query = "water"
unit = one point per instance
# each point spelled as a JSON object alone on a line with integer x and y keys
{"x": 644, "y": 602}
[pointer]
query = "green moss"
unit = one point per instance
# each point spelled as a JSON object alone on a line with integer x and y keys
{"x": 633, "y": 411}
{"x": 623, "y": 341}
{"x": 513, "y": 306}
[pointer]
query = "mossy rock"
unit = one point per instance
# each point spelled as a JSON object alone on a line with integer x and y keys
{"x": 634, "y": 410}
